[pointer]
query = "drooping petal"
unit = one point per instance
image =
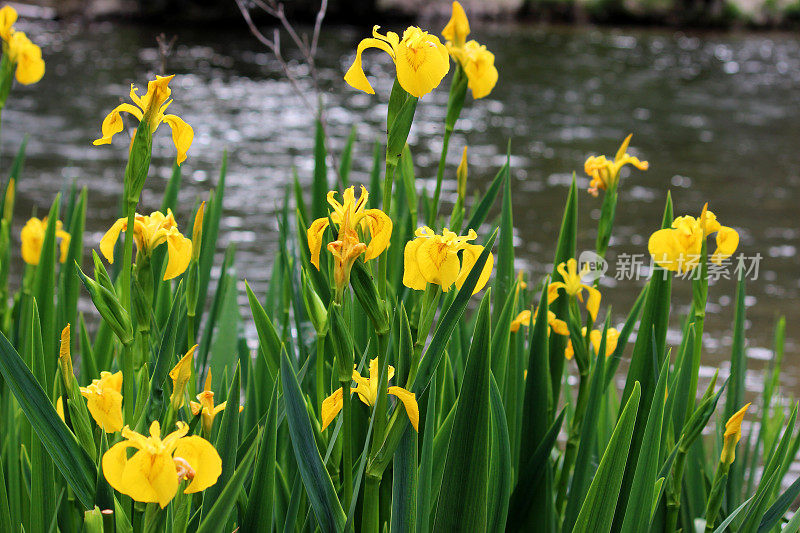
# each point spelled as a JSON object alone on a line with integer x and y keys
{"x": 412, "y": 276}
{"x": 409, "y": 402}
{"x": 114, "y": 461}
{"x": 331, "y": 407}
{"x": 569, "y": 351}
{"x": 422, "y": 62}
{"x": 470, "y": 257}
{"x": 557, "y": 325}
{"x": 64, "y": 239}
{"x": 32, "y": 237}
{"x": 150, "y": 478}
{"x": 179, "y": 250}
{"x": 314, "y": 236}
{"x": 204, "y": 460}
{"x": 113, "y": 122}
{"x": 727, "y": 242}
{"x": 355, "y": 74}
{"x": 380, "y": 229}
{"x": 552, "y": 291}
{"x": 666, "y": 249}
{"x": 593, "y": 303}
{"x": 522, "y": 319}
{"x": 478, "y": 64}
{"x": 109, "y": 240}
{"x": 8, "y": 16}
{"x": 28, "y": 56}
{"x": 182, "y": 135}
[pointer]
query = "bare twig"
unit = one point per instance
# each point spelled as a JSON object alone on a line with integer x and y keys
{"x": 307, "y": 49}
{"x": 165, "y": 50}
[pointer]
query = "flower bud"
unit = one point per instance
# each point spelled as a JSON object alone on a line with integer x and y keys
{"x": 109, "y": 307}
{"x": 733, "y": 432}
{"x": 461, "y": 173}
{"x": 65, "y": 358}
{"x": 314, "y": 306}
{"x": 197, "y": 231}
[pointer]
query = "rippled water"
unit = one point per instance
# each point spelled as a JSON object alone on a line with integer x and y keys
{"x": 715, "y": 115}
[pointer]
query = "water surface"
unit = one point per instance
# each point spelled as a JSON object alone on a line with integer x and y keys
{"x": 715, "y": 115}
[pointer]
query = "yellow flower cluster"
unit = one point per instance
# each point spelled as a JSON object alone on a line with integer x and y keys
{"x": 595, "y": 336}
{"x": 524, "y": 318}
{"x": 474, "y": 58}
{"x": 149, "y": 111}
{"x": 678, "y": 248}
{"x": 21, "y": 51}
{"x": 149, "y": 232}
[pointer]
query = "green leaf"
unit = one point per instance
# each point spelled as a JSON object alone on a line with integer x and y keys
{"x": 319, "y": 185}
{"x": 597, "y": 512}
{"x": 74, "y": 463}
{"x": 318, "y": 484}
{"x": 640, "y": 503}
{"x": 404, "y": 482}
{"x": 219, "y": 512}
{"x": 223, "y": 349}
{"x": 261, "y": 498}
{"x": 44, "y": 283}
{"x": 779, "y": 508}
{"x": 736, "y": 390}
{"x": 69, "y": 283}
{"x": 504, "y": 277}
{"x": 500, "y": 468}
{"x": 269, "y": 344}
{"x": 424, "y": 481}
{"x": 227, "y": 439}
{"x": 463, "y": 496}
{"x": 501, "y": 337}
{"x": 208, "y": 250}
{"x": 565, "y": 250}
{"x": 399, "y": 129}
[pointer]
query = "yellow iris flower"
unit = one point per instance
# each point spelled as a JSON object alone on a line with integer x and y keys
{"x": 32, "y": 237}
{"x": 605, "y": 173}
{"x": 733, "y": 432}
{"x": 21, "y": 51}
{"x": 154, "y": 472}
{"x": 432, "y": 258}
{"x": 524, "y": 319}
{"x": 206, "y": 407}
{"x": 104, "y": 400}
{"x": 420, "y": 59}
{"x": 350, "y": 215}
{"x": 367, "y": 390}
{"x": 474, "y": 58}
{"x": 180, "y": 375}
{"x": 595, "y": 336}
{"x": 149, "y": 109}
{"x": 149, "y": 232}
{"x": 573, "y": 286}
{"x": 678, "y": 248}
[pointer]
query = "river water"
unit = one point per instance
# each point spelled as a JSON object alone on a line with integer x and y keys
{"x": 716, "y": 115}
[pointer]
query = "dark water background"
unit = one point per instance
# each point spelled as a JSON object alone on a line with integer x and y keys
{"x": 716, "y": 115}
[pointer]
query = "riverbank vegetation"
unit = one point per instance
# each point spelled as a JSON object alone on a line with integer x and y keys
{"x": 403, "y": 373}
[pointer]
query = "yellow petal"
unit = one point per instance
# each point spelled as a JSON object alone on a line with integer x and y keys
{"x": 180, "y": 375}
{"x": 470, "y": 257}
{"x": 479, "y": 67}
{"x": 569, "y": 352}
{"x": 412, "y": 276}
{"x": 32, "y": 237}
{"x": 522, "y": 319}
{"x": 558, "y": 326}
{"x": 113, "y": 122}
{"x": 457, "y": 27}
{"x": 438, "y": 263}
{"x": 331, "y": 407}
{"x": 150, "y": 478}
{"x": 182, "y": 135}
{"x": 204, "y": 460}
{"x": 668, "y": 251}
{"x": 355, "y": 74}
{"x": 114, "y": 461}
{"x": 30, "y": 65}
{"x": 552, "y": 291}
{"x": 593, "y": 303}
{"x": 179, "y": 249}
{"x": 380, "y": 229}
{"x": 314, "y": 236}
{"x": 106, "y": 409}
{"x": 422, "y": 62}
{"x": 409, "y": 402}
{"x": 727, "y": 242}
{"x": 8, "y": 16}
{"x": 109, "y": 240}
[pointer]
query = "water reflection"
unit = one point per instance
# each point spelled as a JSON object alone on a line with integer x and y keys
{"x": 716, "y": 116}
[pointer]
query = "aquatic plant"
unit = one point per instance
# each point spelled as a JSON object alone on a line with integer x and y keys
{"x": 462, "y": 368}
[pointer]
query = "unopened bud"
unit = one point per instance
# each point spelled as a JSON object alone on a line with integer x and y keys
{"x": 733, "y": 432}
{"x": 314, "y": 306}
{"x": 65, "y": 358}
{"x": 461, "y": 174}
{"x": 8, "y": 205}
{"x": 109, "y": 307}
{"x": 197, "y": 231}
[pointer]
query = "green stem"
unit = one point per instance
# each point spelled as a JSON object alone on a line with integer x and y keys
{"x": 190, "y": 318}
{"x": 716, "y": 494}
{"x": 571, "y": 451}
{"x": 674, "y": 491}
{"x": 370, "y": 517}
{"x": 347, "y": 450}
{"x": 386, "y": 206}
{"x": 448, "y": 131}
{"x": 321, "y": 373}
{"x": 128, "y": 382}
{"x": 128, "y": 377}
